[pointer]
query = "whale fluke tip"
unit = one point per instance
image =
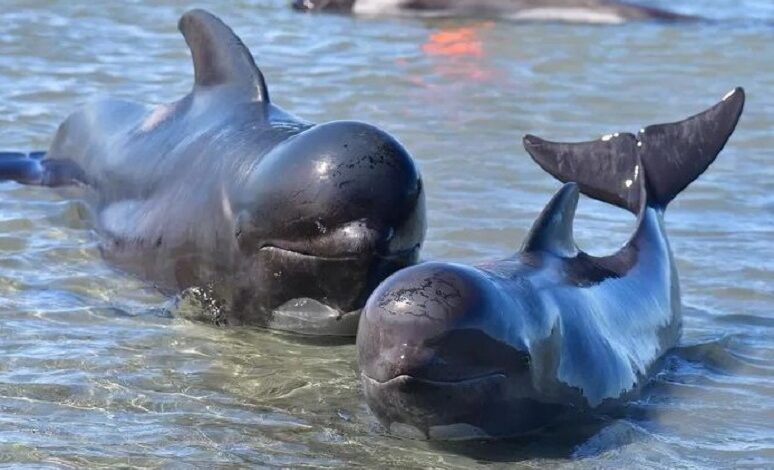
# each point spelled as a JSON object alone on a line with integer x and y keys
{"x": 531, "y": 140}
{"x": 737, "y": 93}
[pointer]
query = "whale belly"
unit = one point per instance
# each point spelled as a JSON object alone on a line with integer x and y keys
{"x": 569, "y": 15}
{"x": 377, "y": 7}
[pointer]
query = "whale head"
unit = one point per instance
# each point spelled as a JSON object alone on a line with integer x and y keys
{"x": 328, "y": 214}
{"x": 439, "y": 360}
{"x": 321, "y": 213}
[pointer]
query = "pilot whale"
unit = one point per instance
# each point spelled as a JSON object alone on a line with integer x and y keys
{"x": 576, "y": 11}
{"x": 453, "y": 351}
{"x": 282, "y": 223}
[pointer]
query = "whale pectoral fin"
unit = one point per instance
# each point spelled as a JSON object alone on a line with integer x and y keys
{"x": 671, "y": 156}
{"x": 552, "y": 231}
{"x": 33, "y": 169}
{"x": 219, "y": 56}
{"x": 20, "y": 167}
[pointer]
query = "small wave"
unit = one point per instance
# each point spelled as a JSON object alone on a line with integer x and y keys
{"x": 729, "y": 354}
{"x": 617, "y": 435}
{"x": 746, "y": 319}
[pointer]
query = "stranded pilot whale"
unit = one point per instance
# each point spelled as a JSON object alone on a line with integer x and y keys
{"x": 576, "y": 11}
{"x": 286, "y": 224}
{"x": 502, "y": 348}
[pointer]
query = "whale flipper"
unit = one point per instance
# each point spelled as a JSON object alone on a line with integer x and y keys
{"x": 20, "y": 167}
{"x": 219, "y": 56}
{"x": 673, "y": 155}
{"x": 32, "y": 169}
{"x": 552, "y": 231}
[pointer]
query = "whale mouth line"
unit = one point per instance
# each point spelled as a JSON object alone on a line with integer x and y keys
{"x": 326, "y": 293}
{"x": 344, "y": 257}
{"x": 467, "y": 381}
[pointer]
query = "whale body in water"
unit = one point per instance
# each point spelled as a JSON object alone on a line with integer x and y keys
{"x": 281, "y": 222}
{"x": 502, "y": 348}
{"x": 578, "y": 11}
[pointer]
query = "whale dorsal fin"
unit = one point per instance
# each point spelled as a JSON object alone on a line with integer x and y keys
{"x": 219, "y": 56}
{"x": 552, "y": 231}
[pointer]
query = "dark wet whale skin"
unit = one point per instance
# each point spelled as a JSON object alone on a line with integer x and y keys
{"x": 593, "y": 11}
{"x": 224, "y": 190}
{"x": 502, "y": 348}
{"x": 541, "y": 324}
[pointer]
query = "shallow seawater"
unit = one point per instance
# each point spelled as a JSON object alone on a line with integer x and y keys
{"x": 94, "y": 373}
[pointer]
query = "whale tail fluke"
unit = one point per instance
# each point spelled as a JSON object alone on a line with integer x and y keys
{"x": 671, "y": 156}
{"x": 33, "y": 169}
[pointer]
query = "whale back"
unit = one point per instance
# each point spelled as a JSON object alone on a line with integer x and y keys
{"x": 219, "y": 56}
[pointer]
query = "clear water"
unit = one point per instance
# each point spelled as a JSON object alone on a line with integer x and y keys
{"x": 93, "y": 374}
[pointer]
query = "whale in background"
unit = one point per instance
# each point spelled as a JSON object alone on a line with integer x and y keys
{"x": 502, "y": 348}
{"x": 280, "y": 222}
{"x": 575, "y": 11}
